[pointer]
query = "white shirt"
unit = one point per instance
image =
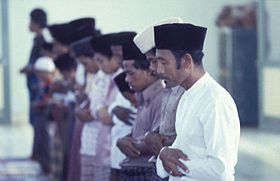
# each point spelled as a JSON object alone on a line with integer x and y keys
{"x": 80, "y": 74}
{"x": 208, "y": 132}
{"x": 97, "y": 98}
{"x": 119, "y": 130}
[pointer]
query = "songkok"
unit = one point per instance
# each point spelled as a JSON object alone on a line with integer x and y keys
{"x": 179, "y": 37}
{"x": 145, "y": 40}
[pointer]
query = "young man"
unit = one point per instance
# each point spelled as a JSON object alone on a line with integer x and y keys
{"x": 96, "y": 137}
{"x": 125, "y": 99}
{"x": 38, "y": 21}
{"x": 83, "y": 53}
{"x": 207, "y": 122}
{"x": 165, "y": 134}
{"x": 149, "y": 92}
{"x": 62, "y": 114}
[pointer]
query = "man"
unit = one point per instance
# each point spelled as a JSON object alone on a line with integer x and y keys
{"x": 38, "y": 21}
{"x": 44, "y": 68}
{"x": 96, "y": 137}
{"x": 120, "y": 110}
{"x": 165, "y": 134}
{"x": 149, "y": 93}
{"x": 207, "y": 122}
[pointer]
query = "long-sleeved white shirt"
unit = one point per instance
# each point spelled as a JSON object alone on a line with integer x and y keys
{"x": 119, "y": 130}
{"x": 208, "y": 132}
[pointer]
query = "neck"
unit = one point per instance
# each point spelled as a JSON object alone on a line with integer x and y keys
{"x": 196, "y": 74}
{"x": 39, "y": 32}
{"x": 150, "y": 81}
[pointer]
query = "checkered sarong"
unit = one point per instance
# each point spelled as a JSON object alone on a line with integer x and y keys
{"x": 91, "y": 172}
{"x": 137, "y": 173}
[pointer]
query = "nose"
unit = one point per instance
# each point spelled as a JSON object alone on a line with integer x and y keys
{"x": 127, "y": 78}
{"x": 153, "y": 67}
{"x": 160, "y": 69}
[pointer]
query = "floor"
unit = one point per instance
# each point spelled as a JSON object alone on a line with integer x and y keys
{"x": 259, "y": 155}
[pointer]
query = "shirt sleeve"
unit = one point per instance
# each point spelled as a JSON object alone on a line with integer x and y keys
{"x": 221, "y": 134}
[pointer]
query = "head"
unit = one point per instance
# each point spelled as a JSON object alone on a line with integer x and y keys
{"x": 107, "y": 62}
{"x": 138, "y": 74}
{"x": 38, "y": 20}
{"x": 117, "y": 53}
{"x": 89, "y": 63}
{"x": 174, "y": 66}
{"x": 44, "y": 76}
{"x": 82, "y": 51}
{"x": 44, "y": 68}
{"x": 151, "y": 57}
{"x": 67, "y": 66}
{"x": 179, "y": 53}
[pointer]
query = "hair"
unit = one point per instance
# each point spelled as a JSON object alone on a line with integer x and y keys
{"x": 39, "y": 16}
{"x": 106, "y": 53}
{"x": 82, "y": 50}
{"x": 197, "y": 56}
{"x": 142, "y": 64}
{"x": 65, "y": 63}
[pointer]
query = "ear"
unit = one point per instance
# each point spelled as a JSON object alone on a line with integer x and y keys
{"x": 186, "y": 61}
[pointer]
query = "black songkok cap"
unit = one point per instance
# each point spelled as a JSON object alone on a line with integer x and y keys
{"x": 121, "y": 38}
{"x": 132, "y": 52}
{"x": 62, "y": 33}
{"x": 102, "y": 45}
{"x": 82, "y": 28}
{"x": 179, "y": 37}
{"x": 83, "y": 47}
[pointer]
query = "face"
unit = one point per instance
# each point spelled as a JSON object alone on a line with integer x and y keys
{"x": 59, "y": 48}
{"x": 33, "y": 26}
{"x": 153, "y": 63}
{"x": 90, "y": 64}
{"x": 44, "y": 76}
{"x": 117, "y": 53}
{"x": 167, "y": 68}
{"x": 69, "y": 74}
{"x": 136, "y": 78}
{"x": 107, "y": 65}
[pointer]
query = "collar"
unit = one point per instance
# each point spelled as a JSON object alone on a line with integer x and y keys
{"x": 198, "y": 84}
{"x": 151, "y": 91}
{"x": 115, "y": 74}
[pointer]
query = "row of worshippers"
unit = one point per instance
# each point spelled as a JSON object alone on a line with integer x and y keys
{"x": 143, "y": 107}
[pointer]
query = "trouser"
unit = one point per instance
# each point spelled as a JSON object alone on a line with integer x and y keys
{"x": 41, "y": 139}
{"x": 116, "y": 175}
{"x": 137, "y": 173}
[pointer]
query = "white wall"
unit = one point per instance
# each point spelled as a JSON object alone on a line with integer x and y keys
{"x": 111, "y": 15}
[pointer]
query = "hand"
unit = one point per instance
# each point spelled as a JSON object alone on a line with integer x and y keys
{"x": 126, "y": 145}
{"x": 104, "y": 116}
{"x": 84, "y": 115}
{"x": 155, "y": 141}
{"x": 123, "y": 114}
{"x": 58, "y": 87}
{"x": 170, "y": 160}
{"x": 81, "y": 96}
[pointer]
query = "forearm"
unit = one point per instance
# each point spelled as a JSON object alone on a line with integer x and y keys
{"x": 142, "y": 147}
{"x": 206, "y": 169}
